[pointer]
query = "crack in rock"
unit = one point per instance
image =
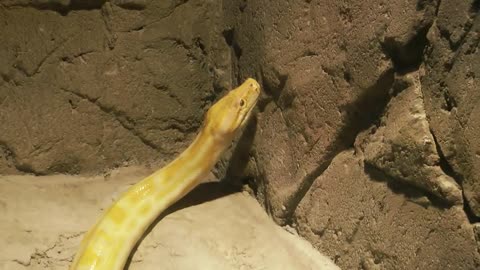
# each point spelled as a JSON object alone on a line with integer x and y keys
{"x": 403, "y": 147}
{"x": 11, "y": 158}
{"x": 124, "y": 120}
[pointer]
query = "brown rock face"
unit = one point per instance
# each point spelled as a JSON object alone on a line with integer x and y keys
{"x": 327, "y": 67}
{"x": 382, "y": 224}
{"x": 366, "y": 139}
{"x": 403, "y": 147}
{"x": 451, "y": 87}
{"x": 86, "y": 88}
{"x": 404, "y": 71}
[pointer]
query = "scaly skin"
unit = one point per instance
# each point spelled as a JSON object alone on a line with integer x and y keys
{"x": 108, "y": 244}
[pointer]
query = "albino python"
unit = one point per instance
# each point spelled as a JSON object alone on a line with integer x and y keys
{"x": 107, "y": 245}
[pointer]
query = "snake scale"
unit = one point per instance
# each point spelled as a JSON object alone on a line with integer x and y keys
{"x": 108, "y": 244}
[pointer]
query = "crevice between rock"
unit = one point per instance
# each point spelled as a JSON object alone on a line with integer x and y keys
{"x": 409, "y": 56}
{"x": 12, "y": 159}
{"x": 62, "y": 7}
{"x": 229, "y": 36}
{"x": 448, "y": 170}
{"x": 372, "y": 103}
{"x": 475, "y": 8}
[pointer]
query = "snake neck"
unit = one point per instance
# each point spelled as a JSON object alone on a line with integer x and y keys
{"x": 108, "y": 244}
{"x": 199, "y": 158}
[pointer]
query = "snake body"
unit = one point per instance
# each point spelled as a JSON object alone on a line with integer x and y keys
{"x": 107, "y": 245}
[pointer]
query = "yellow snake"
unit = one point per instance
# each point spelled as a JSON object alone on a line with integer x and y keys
{"x": 107, "y": 245}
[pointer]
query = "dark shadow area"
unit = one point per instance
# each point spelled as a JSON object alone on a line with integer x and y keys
{"x": 443, "y": 163}
{"x": 359, "y": 115}
{"x": 407, "y": 57}
{"x": 273, "y": 82}
{"x": 204, "y": 192}
{"x": 472, "y": 218}
{"x": 229, "y": 36}
{"x": 64, "y": 9}
{"x": 399, "y": 187}
{"x": 9, "y": 155}
{"x": 241, "y": 155}
{"x": 448, "y": 170}
{"x": 475, "y": 8}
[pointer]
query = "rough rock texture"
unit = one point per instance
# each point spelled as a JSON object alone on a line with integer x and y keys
{"x": 403, "y": 147}
{"x": 86, "y": 86}
{"x": 331, "y": 69}
{"x": 105, "y": 84}
{"x": 327, "y": 67}
{"x": 214, "y": 230}
{"x": 451, "y": 87}
{"x": 383, "y": 224}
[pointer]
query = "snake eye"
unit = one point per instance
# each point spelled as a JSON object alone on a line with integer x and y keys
{"x": 242, "y": 102}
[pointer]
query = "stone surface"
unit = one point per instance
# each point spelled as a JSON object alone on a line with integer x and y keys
{"x": 403, "y": 147}
{"x": 44, "y": 218}
{"x": 365, "y": 220}
{"x": 326, "y": 67}
{"x": 97, "y": 88}
{"x": 476, "y": 230}
{"x": 87, "y": 86}
{"x": 451, "y": 88}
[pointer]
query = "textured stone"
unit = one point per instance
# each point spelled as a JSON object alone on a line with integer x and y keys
{"x": 365, "y": 221}
{"x": 403, "y": 147}
{"x": 451, "y": 88}
{"x": 326, "y": 67}
{"x": 131, "y": 4}
{"x": 95, "y": 89}
{"x": 87, "y": 86}
{"x": 476, "y": 230}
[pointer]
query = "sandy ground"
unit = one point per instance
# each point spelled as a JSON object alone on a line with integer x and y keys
{"x": 44, "y": 218}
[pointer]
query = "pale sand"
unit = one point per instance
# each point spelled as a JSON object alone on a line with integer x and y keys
{"x": 43, "y": 218}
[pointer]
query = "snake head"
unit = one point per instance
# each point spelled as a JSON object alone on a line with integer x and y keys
{"x": 231, "y": 112}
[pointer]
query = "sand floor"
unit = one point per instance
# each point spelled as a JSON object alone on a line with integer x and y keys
{"x": 43, "y": 220}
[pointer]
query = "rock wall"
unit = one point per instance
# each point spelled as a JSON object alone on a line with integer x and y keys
{"x": 327, "y": 68}
{"x": 89, "y": 86}
{"x": 452, "y": 97}
{"x": 365, "y": 140}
